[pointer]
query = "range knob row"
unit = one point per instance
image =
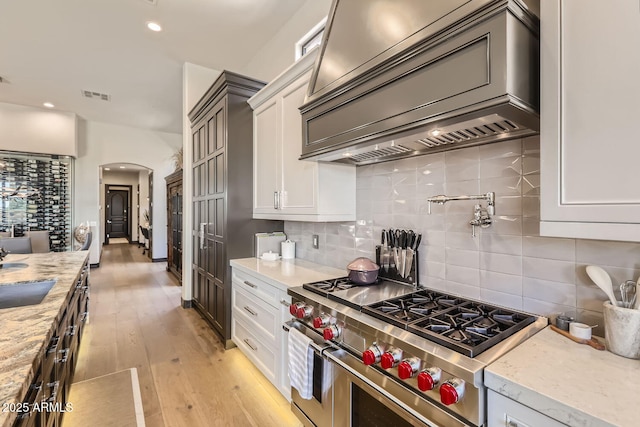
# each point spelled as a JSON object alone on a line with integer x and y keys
{"x": 451, "y": 391}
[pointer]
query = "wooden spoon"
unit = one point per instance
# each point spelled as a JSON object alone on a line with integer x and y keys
{"x": 592, "y": 342}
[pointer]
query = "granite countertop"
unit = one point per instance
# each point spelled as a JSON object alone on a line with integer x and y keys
{"x": 25, "y": 330}
{"x": 288, "y": 273}
{"x": 570, "y": 382}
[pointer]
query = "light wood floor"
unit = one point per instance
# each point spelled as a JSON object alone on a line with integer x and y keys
{"x": 186, "y": 377}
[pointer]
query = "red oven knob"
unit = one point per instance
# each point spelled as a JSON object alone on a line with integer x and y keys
{"x": 372, "y": 354}
{"x": 293, "y": 308}
{"x": 452, "y": 391}
{"x": 428, "y": 378}
{"x": 408, "y": 367}
{"x": 304, "y": 311}
{"x": 331, "y": 333}
{"x": 391, "y": 358}
{"x": 321, "y": 321}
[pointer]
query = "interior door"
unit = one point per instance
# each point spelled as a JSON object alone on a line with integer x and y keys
{"x": 117, "y": 213}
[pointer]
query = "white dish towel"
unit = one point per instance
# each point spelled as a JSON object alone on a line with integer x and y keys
{"x": 301, "y": 363}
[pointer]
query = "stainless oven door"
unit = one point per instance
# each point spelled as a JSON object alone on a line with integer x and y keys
{"x": 318, "y": 410}
{"x": 364, "y": 397}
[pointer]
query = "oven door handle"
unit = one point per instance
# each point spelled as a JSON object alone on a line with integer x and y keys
{"x": 318, "y": 344}
{"x": 354, "y": 367}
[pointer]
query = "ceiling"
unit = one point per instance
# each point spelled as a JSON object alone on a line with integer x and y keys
{"x": 103, "y": 46}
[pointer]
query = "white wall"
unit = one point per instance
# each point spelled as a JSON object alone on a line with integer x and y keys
{"x": 37, "y": 130}
{"x": 102, "y": 143}
{"x": 195, "y": 82}
{"x": 278, "y": 53}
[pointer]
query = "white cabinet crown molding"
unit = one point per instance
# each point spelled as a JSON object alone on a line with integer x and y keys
{"x": 284, "y": 79}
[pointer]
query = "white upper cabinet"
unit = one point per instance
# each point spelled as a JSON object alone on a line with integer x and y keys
{"x": 590, "y": 80}
{"x": 284, "y": 187}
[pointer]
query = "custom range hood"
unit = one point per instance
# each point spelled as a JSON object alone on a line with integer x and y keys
{"x": 399, "y": 78}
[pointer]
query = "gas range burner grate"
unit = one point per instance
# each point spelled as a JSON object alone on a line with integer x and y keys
{"x": 326, "y": 287}
{"x": 470, "y": 328}
{"x": 465, "y": 326}
{"x": 409, "y": 308}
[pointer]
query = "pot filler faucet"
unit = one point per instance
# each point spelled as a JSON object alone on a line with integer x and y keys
{"x": 481, "y": 216}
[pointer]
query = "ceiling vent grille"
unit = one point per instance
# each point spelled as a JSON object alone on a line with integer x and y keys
{"x": 96, "y": 95}
{"x": 151, "y": 2}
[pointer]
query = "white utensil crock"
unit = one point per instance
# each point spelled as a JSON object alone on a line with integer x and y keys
{"x": 622, "y": 330}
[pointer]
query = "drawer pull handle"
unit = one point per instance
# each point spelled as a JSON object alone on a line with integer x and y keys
{"x": 66, "y": 356}
{"x": 55, "y": 385}
{"x": 53, "y": 344}
{"x": 253, "y": 313}
{"x": 285, "y": 303}
{"x": 248, "y": 283}
{"x": 72, "y": 330}
{"x": 246, "y": 341}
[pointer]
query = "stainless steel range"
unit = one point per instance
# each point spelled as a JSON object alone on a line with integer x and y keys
{"x": 393, "y": 354}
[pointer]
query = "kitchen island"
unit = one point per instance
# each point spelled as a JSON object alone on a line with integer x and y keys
{"x": 27, "y": 331}
{"x": 568, "y": 382}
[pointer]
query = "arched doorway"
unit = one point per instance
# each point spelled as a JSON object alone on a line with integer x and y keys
{"x": 126, "y": 202}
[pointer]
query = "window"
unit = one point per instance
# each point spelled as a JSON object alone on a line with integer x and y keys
{"x": 310, "y": 40}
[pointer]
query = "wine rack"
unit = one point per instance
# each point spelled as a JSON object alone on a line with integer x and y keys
{"x": 36, "y": 195}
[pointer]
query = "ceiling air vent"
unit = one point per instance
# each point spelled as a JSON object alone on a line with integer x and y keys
{"x": 151, "y": 2}
{"x": 96, "y": 95}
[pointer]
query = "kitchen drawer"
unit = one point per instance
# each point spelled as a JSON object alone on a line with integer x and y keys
{"x": 262, "y": 355}
{"x": 504, "y": 412}
{"x": 256, "y": 286}
{"x": 265, "y": 317}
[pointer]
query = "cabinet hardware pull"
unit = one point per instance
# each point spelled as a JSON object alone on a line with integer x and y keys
{"x": 285, "y": 303}
{"x": 53, "y": 344}
{"x": 246, "y": 282}
{"x": 276, "y": 200}
{"x": 246, "y": 341}
{"x": 250, "y": 311}
{"x": 72, "y": 330}
{"x": 54, "y": 395}
{"x": 65, "y": 358}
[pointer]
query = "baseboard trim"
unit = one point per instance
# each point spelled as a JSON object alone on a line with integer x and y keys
{"x": 187, "y": 303}
{"x": 94, "y": 265}
{"x": 159, "y": 260}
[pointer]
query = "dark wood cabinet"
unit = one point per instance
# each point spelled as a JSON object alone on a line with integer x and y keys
{"x": 174, "y": 223}
{"x": 48, "y": 395}
{"x": 222, "y": 168}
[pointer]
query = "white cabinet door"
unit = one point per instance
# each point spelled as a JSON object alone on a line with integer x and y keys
{"x": 299, "y": 177}
{"x": 504, "y": 412}
{"x": 266, "y": 157}
{"x": 286, "y": 188}
{"x": 590, "y": 68}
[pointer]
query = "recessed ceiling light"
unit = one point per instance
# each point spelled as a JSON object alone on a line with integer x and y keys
{"x": 154, "y": 26}
{"x": 48, "y": 105}
{"x": 122, "y": 167}
{"x": 107, "y": 169}
{"x": 435, "y": 132}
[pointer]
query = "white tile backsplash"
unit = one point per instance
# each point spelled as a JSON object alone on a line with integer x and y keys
{"x": 506, "y": 264}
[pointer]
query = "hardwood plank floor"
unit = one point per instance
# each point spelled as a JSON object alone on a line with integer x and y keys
{"x": 186, "y": 377}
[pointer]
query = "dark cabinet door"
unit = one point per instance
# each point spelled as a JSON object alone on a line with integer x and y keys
{"x": 209, "y": 145}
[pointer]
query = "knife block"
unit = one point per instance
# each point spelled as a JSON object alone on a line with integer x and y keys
{"x": 393, "y": 273}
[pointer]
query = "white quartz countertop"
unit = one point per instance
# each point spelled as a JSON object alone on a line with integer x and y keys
{"x": 570, "y": 382}
{"x": 288, "y": 273}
